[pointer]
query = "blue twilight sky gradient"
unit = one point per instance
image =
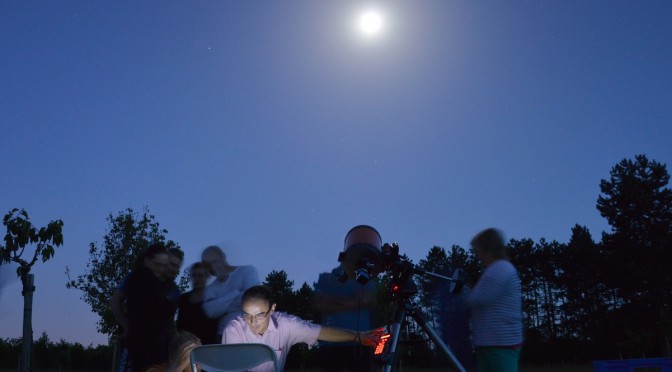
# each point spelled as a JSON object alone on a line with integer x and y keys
{"x": 273, "y": 127}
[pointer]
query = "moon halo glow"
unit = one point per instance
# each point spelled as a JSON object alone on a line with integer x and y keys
{"x": 370, "y": 23}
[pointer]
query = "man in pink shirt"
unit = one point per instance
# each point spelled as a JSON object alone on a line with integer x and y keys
{"x": 260, "y": 323}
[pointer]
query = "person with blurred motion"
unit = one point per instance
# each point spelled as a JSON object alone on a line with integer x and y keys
{"x": 260, "y": 323}
{"x": 118, "y": 300}
{"x": 190, "y": 314}
{"x": 345, "y": 303}
{"x": 148, "y": 322}
{"x": 222, "y": 297}
{"x": 495, "y": 304}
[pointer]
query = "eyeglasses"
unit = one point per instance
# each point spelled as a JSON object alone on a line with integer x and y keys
{"x": 252, "y": 318}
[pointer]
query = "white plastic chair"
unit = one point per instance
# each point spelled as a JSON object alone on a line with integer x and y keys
{"x": 232, "y": 357}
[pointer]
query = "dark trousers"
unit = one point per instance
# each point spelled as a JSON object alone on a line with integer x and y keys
{"x": 342, "y": 358}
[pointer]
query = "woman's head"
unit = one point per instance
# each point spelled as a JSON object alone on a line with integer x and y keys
{"x": 488, "y": 245}
{"x": 198, "y": 273}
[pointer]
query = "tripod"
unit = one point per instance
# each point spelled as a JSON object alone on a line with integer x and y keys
{"x": 406, "y": 307}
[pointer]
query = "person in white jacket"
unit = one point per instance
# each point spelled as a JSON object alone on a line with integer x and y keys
{"x": 222, "y": 297}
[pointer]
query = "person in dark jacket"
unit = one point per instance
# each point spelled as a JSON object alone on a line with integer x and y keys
{"x": 151, "y": 308}
{"x": 190, "y": 314}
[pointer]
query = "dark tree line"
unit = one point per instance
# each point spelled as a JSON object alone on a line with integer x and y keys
{"x": 297, "y": 302}
{"x": 582, "y": 300}
{"x": 61, "y": 355}
{"x": 586, "y": 300}
{"x": 608, "y": 299}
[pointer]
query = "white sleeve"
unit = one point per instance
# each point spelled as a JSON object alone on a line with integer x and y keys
{"x": 216, "y": 306}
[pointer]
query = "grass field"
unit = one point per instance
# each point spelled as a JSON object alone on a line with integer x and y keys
{"x": 538, "y": 368}
{"x": 568, "y": 368}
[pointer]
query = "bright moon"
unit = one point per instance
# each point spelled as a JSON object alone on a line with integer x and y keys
{"x": 370, "y": 23}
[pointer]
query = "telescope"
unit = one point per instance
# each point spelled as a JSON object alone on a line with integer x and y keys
{"x": 361, "y": 259}
{"x": 364, "y": 257}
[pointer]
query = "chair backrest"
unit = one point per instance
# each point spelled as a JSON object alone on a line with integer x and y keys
{"x": 232, "y": 357}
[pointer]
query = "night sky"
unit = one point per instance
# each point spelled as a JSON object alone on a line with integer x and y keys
{"x": 273, "y": 127}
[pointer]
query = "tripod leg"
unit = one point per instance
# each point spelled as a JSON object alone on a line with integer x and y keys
{"x": 437, "y": 340}
{"x": 390, "y": 358}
